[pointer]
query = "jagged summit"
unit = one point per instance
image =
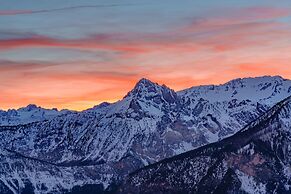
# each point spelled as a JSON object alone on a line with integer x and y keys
{"x": 145, "y": 82}
{"x": 30, "y": 107}
{"x": 144, "y": 85}
{"x": 148, "y": 90}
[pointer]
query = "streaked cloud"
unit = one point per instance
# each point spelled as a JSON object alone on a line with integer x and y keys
{"x": 22, "y": 12}
{"x": 103, "y": 66}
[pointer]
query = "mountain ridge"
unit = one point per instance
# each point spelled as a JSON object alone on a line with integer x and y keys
{"x": 153, "y": 122}
{"x": 141, "y": 80}
{"x": 252, "y": 124}
{"x": 30, "y": 113}
{"x": 147, "y": 179}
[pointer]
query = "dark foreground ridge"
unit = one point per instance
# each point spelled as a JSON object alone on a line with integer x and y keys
{"x": 256, "y": 159}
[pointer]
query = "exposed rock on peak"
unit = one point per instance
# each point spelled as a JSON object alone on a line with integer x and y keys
{"x": 143, "y": 85}
{"x": 29, "y": 107}
{"x": 145, "y": 82}
{"x": 148, "y": 90}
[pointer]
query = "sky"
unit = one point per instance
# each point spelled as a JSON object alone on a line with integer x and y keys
{"x": 76, "y": 54}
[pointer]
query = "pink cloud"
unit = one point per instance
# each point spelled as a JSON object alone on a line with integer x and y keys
{"x": 207, "y": 51}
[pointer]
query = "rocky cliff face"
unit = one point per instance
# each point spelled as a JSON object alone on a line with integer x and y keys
{"x": 256, "y": 159}
{"x": 101, "y": 145}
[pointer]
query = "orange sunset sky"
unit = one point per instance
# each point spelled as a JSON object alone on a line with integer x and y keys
{"x": 76, "y": 54}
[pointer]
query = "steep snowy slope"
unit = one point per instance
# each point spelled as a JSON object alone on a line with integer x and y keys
{"x": 105, "y": 137}
{"x": 217, "y": 111}
{"x": 257, "y": 159}
{"x": 266, "y": 89}
{"x": 29, "y": 114}
{"x": 150, "y": 123}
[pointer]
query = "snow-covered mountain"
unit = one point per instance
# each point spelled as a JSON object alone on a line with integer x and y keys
{"x": 257, "y": 159}
{"x": 101, "y": 145}
{"x": 221, "y": 110}
{"x": 30, "y": 113}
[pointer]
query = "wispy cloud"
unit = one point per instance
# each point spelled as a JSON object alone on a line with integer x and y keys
{"x": 23, "y": 12}
{"x": 242, "y": 42}
{"x": 226, "y": 37}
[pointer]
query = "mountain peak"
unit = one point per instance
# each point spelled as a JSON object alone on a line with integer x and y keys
{"x": 29, "y": 107}
{"x": 148, "y": 90}
{"x": 144, "y": 82}
{"x": 142, "y": 87}
{"x": 259, "y": 79}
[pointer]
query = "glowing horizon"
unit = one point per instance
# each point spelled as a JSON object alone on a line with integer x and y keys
{"x": 79, "y": 105}
{"x": 76, "y": 55}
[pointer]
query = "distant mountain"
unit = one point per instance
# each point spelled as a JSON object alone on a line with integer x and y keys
{"x": 257, "y": 159}
{"x": 152, "y": 122}
{"x": 30, "y": 113}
